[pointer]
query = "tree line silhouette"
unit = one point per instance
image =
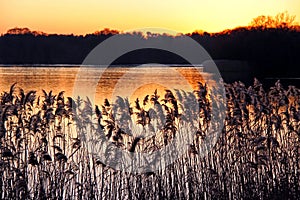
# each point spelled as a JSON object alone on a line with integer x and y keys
{"x": 269, "y": 44}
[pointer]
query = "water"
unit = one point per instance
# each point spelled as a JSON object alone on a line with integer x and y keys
{"x": 124, "y": 81}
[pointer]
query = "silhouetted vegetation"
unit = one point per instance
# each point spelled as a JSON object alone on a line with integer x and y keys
{"x": 252, "y": 44}
{"x": 281, "y": 20}
{"x": 256, "y": 156}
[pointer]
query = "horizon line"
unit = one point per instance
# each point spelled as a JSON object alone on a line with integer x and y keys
{"x": 106, "y": 31}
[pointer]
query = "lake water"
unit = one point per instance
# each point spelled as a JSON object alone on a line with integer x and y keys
{"x": 126, "y": 81}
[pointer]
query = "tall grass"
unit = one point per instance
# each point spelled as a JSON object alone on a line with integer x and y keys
{"x": 256, "y": 156}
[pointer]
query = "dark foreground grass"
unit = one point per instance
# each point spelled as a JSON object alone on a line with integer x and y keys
{"x": 256, "y": 156}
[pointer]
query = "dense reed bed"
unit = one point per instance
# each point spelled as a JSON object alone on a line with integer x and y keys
{"x": 256, "y": 156}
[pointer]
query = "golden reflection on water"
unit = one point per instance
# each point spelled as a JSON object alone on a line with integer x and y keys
{"x": 148, "y": 89}
{"x": 136, "y": 82}
{"x": 37, "y": 78}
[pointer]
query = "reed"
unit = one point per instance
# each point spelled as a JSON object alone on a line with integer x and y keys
{"x": 255, "y": 157}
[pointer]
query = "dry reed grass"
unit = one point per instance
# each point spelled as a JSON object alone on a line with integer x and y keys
{"x": 256, "y": 156}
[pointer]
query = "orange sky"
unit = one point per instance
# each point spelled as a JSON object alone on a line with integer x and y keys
{"x": 87, "y": 16}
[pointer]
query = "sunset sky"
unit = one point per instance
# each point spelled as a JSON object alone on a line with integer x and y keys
{"x": 87, "y": 16}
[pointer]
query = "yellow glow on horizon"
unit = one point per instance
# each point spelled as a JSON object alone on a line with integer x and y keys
{"x": 87, "y": 16}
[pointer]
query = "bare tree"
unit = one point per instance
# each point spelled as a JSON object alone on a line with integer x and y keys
{"x": 281, "y": 20}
